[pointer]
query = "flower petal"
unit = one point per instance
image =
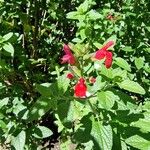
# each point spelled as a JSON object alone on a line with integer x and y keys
{"x": 66, "y": 49}
{"x": 72, "y": 59}
{"x": 70, "y": 76}
{"x": 108, "y": 61}
{"x": 68, "y": 57}
{"x": 65, "y": 59}
{"x": 100, "y": 54}
{"x": 80, "y": 89}
{"x": 108, "y": 45}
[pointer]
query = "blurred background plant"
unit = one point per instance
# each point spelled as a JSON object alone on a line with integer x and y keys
{"x": 36, "y": 102}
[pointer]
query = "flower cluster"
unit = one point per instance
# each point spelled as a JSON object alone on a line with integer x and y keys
{"x": 80, "y": 89}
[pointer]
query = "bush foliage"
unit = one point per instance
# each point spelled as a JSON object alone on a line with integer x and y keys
{"x": 85, "y": 104}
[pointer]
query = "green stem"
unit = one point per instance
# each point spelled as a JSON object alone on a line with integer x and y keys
{"x": 92, "y": 108}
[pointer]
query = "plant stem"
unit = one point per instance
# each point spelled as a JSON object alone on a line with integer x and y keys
{"x": 36, "y": 23}
{"x": 92, "y": 108}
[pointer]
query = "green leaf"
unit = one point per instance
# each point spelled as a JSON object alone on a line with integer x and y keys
{"x": 9, "y": 48}
{"x": 1, "y": 86}
{"x": 131, "y": 86}
{"x": 143, "y": 124}
{"x": 112, "y": 38}
{"x": 45, "y": 89}
{"x": 122, "y": 63}
{"x": 146, "y": 106}
{"x": 83, "y": 34}
{"x": 40, "y": 107}
{"x": 88, "y": 145}
{"x": 119, "y": 74}
{"x": 83, "y": 7}
{"x": 128, "y": 49}
{"x": 106, "y": 72}
{"x": 66, "y": 144}
{"x": 93, "y": 15}
{"x": 97, "y": 45}
{"x": 148, "y": 28}
{"x": 69, "y": 111}
{"x": 41, "y": 132}
{"x": 72, "y": 15}
{"x": 62, "y": 84}
{"x": 147, "y": 50}
{"x": 123, "y": 145}
{"x": 98, "y": 85}
{"x": 139, "y": 62}
{"x": 18, "y": 142}
{"x": 55, "y": 89}
{"x": 125, "y": 102}
{"x": 4, "y": 102}
{"x": 102, "y": 136}
{"x": 106, "y": 99}
{"x": 8, "y": 36}
{"x": 138, "y": 142}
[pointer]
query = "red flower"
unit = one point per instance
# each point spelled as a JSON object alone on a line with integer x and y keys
{"x": 68, "y": 57}
{"x": 70, "y": 76}
{"x": 110, "y": 17}
{"x": 92, "y": 80}
{"x": 104, "y": 53}
{"x": 80, "y": 89}
{"x": 109, "y": 59}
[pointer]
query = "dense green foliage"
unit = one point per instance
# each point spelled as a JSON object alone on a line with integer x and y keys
{"x": 33, "y": 83}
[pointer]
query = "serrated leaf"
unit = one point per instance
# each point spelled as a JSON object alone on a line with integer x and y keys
{"x": 93, "y": 15}
{"x": 44, "y": 89}
{"x": 122, "y": 63}
{"x": 143, "y": 124}
{"x": 9, "y": 48}
{"x": 8, "y": 36}
{"x": 139, "y": 62}
{"x": 102, "y": 135}
{"x": 55, "y": 89}
{"x": 40, "y": 107}
{"x": 131, "y": 86}
{"x": 69, "y": 111}
{"x": 18, "y": 142}
{"x": 41, "y": 132}
{"x": 83, "y": 7}
{"x": 138, "y": 142}
{"x": 106, "y": 72}
{"x": 106, "y": 99}
{"x": 62, "y": 84}
{"x": 125, "y": 102}
{"x": 98, "y": 85}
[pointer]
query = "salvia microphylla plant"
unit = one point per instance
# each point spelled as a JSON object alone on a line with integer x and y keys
{"x": 80, "y": 88}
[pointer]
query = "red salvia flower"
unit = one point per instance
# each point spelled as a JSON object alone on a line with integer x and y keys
{"x": 68, "y": 57}
{"x": 104, "y": 53}
{"x": 109, "y": 59}
{"x": 110, "y": 17}
{"x": 92, "y": 80}
{"x": 70, "y": 76}
{"x": 80, "y": 89}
